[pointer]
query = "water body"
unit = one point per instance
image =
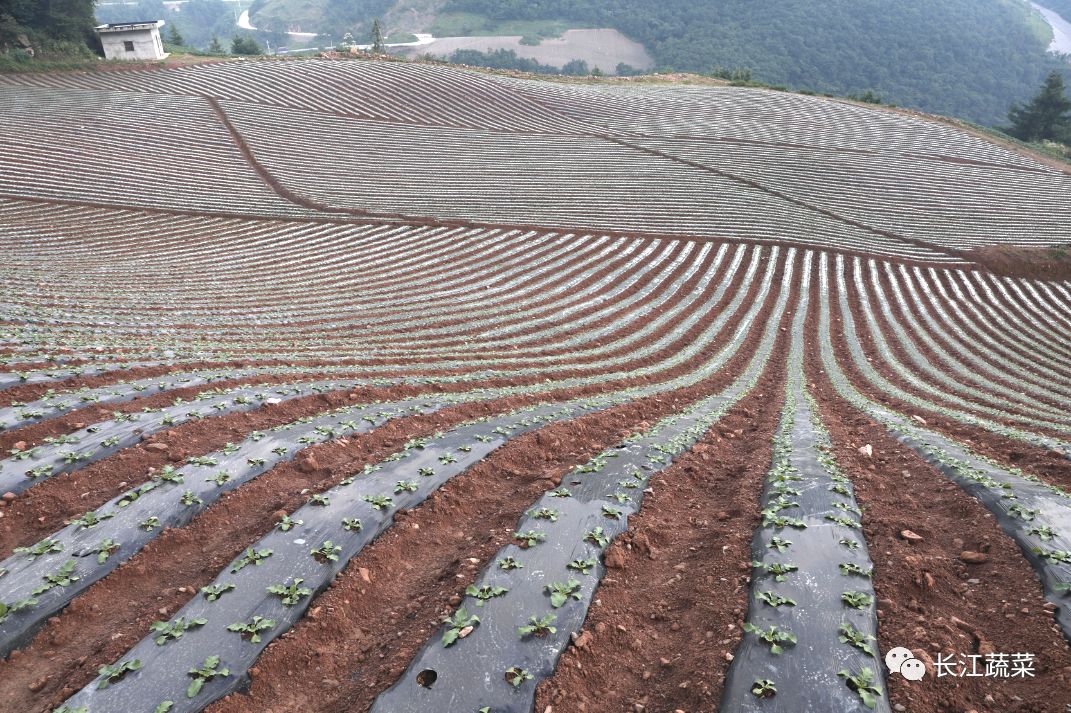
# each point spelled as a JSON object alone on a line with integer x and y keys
{"x": 1061, "y": 29}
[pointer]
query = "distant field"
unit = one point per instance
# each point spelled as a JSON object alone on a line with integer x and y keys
{"x": 604, "y": 49}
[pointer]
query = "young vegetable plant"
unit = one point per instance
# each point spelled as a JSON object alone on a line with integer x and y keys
{"x": 545, "y": 514}
{"x": 850, "y": 635}
{"x": 251, "y": 557}
{"x": 149, "y": 524}
{"x": 287, "y": 523}
{"x": 581, "y": 565}
{"x": 482, "y": 594}
{"x": 44, "y": 547}
{"x": 863, "y": 684}
{"x": 773, "y": 636}
{"x": 850, "y": 568}
{"x": 560, "y": 592}
{"x": 530, "y": 538}
{"x": 290, "y": 593}
{"x": 775, "y": 600}
{"x": 114, "y": 673}
{"x": 764, "y": 688}
{"x": 539, "y": 627}
{"x": 508, "y": 563}
{"x": 169, "y": 630}
{"x": 90, "y": 519}
{"x": 327, "y": 552}
{"x": 405, "y": 486}
{"x": 206, "y": 672}
{"x": 857, "y": 600}
{"x": 379, "y": 502}
{"x": 251, "y": 629}
{"x": 779, "y": 543}
{"x": 105, "y": 549}
{"x": 188, "y": 499}
{"x": 459, "y": 626}
{"x": 515, "y": 676}
{"x": 351, "y": 524}
{"x": 597, "y": 537}
{"x": 215, "y": 591}
{"x": 777, "y": 569}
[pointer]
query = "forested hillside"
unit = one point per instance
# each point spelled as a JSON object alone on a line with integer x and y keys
{"x": 967, "y": 58}
{"x": 46, "y": 24}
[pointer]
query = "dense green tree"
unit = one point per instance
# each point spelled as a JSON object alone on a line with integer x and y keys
{"x": 1045, "y": 117}
{"x": 174, "y": 37}
{"x": 378, "y": 46}
{"x": 246, "y": 45}
{"x": 214, "y": 47}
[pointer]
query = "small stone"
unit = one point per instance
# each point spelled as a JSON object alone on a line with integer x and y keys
{"x": 38, "y": 684}
{"x": 20, "y": 445}
{"x": 454, "y": 600}
{"x": 910, "y": 536}
{"x": 867, "y": 450}
{"x": 899, "y": 707}
{"x": 582, "y": 641}
{"x": 308, "y": 464}
{"x": 918, "y": 418}
{"x": 365, "y": 574}
{"x": 973, "y": 557}
{"x": 9, "y": 496}
{"x": 729, "y": 656}
{"x": 156, "y": 447}
{"x": 666, "y": 663}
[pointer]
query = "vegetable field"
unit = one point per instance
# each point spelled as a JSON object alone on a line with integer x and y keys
{"x": 371, "y": 386}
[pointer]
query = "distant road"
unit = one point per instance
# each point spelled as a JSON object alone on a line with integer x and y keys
{"x": 1061, "y": 29}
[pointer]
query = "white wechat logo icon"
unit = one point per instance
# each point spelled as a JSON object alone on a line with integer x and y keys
{"x": 902, "y": 661}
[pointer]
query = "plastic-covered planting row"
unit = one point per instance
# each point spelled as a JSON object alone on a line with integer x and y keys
{"x": 42, "y": 376}
{"x": 384, "y": 91}
{"x": 517, "y": 618}
{"x": 1036, "y": 360}
{"x": 411, "y": 284}
{"x": 385, "y": 266}
{"x": 1005, "y": 288}
{"x": 812, "y": 623}
{"x": 54, "y": 404}
{"x": 138, "y": 509}
{"x": 600, "y": 175}
{"x": 69, "y": 452}
{"x": 980, "y": 400}
{"x": 352, "y": 513}
{"x": 401, "y": 328}
{"x": 759, "y": 116}
{"x": 269, "y": 587}
{"x": 695, "y": 315}
{"x": 1021, "y": 393}
{"x": 1035, "y": 514}
{"x": 945, "y": 203}
{"x": 40, "y": 580}
{"x": 322, "y": 257}
{"x": 115, "y": 163}
{"x": 871, "y": 374}
{"x": 549, "y": 286}
{"x": 969, "y": 312}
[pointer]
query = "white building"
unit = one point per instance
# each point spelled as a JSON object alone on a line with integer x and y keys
{"x": 132, "y": 40}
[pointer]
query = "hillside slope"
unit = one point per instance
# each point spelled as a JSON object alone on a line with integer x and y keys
{"x": 968, "y": 58}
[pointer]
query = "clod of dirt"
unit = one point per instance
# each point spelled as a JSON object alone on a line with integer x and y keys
{"x": 973, "y": 557}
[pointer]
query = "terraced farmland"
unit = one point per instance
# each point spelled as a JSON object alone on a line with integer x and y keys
{"x": 356, "y": 386}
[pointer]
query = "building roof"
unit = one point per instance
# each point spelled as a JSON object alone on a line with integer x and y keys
{"x": 127, "y": 26}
